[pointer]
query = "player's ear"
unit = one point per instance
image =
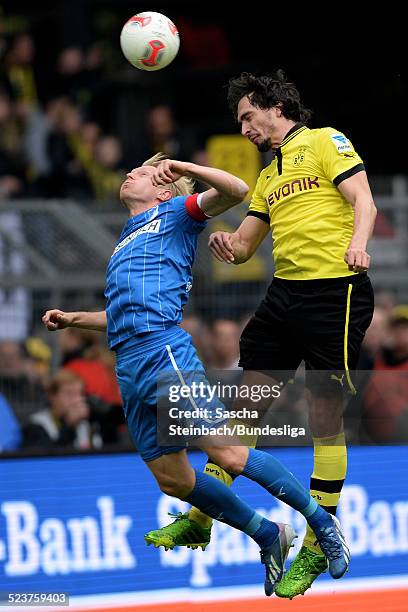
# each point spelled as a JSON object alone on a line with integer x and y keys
{"x": 278, "y": 109}
{"x": 164, "y": 194}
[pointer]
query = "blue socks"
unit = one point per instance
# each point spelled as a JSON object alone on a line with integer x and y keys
{"x": 267, "y": 471}
{"x": 218, "y": 501}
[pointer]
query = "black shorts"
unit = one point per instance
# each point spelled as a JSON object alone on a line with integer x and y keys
{"x": 321, "y": 321}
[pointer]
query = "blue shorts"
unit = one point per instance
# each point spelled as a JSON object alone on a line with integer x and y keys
{"x": 140, "y": 364}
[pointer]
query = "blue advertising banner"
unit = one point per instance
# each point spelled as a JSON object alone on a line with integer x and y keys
{"x": 76, "y": 524}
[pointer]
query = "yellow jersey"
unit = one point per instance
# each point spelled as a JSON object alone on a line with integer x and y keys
{"x": 311, "y": 222}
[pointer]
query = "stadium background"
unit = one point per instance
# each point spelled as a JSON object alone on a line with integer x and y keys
{"x": 73, "y": 117}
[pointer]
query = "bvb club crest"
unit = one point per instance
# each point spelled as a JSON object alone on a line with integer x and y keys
{"x": 299, "y": 157}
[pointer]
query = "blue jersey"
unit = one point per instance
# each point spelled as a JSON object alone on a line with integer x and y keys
{"x": 150, "y": 271}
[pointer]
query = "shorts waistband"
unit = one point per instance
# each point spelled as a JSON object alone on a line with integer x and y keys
{"x": 317, "y": 283}
{"x": 146, "y": 341}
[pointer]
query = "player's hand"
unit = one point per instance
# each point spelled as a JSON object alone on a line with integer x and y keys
{"x": 221, "y": 247}
{"x": 358, "y": 259}
{"x": 56, "y": 319}
{"x": 168, "y": 171}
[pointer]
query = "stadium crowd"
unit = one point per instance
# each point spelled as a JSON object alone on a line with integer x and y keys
{"x": 57, "y": 141}
{"x": 56, "y": 146}
{"x": 78, "y": 405}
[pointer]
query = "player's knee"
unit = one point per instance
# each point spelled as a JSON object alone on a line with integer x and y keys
{"x": 175, "y": 486}
{"x": 230, "y": 459}
{"x": 325, "y": 419}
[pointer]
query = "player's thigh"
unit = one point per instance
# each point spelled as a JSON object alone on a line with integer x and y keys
{"x": 137, "y": 376}
{"x": 256, "y": 392}
{"x": 189, "y": 390}
{"x": 334, "y": 328}
{"x": 173, "y": 473}
{"x": 267, "y": 342}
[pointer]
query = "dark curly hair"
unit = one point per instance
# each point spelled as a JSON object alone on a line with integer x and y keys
{"x": 266, "y": 92}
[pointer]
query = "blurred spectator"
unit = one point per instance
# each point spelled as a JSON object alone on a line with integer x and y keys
{"x": 10, "y": 432}
{"x": 225, "y": 334}
{"x": 41, "y": 355}
{"x": 12, "y": 360}
{"x": 163, "y": 134}
{"x": 19, "y": 70}
{"x": 103, "y": 169}
{"x": 385, "y": 399}
{"x": 69, "y": 80}
{"x": 96, "y": 369}
{"x": 12, "y": 166}
{"x": 396, "y": 352}
{"x": 67, "y": 420}
{"x": 19, "y": 379}
{"x": 83, "y": 355}
{"x": 39, "y": 124}
{"x": 66, "y": 153}
{"x": 375, "y": 339}
{"x": 69, "y": 157}
{"x": 91, "y": 133}
{"x": 73, "y": 342}
{"x": 78, "y": 74}
{"x": 201, "y": 335}
{"x": 385, "y": 300}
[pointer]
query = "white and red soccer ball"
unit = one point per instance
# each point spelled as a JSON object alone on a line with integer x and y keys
{"x": 149, "y": 41}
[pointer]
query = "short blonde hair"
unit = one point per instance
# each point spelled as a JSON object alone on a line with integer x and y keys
{"x": 184, "y": 185}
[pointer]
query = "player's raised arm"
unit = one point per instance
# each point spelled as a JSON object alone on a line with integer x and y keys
{"x": 58, "y": 319}
{"x": 226, "y": 190}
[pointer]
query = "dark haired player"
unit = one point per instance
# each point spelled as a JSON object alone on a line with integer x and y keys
{"x": 315, "y": 199}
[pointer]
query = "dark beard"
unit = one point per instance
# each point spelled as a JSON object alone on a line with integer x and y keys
{"x": 264, "y": 146}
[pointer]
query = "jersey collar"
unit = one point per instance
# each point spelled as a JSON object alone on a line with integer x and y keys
{"x": 293, "y": 132}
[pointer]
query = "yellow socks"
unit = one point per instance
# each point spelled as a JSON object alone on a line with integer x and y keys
{"x": 216, "y": 472}
{"x": 329, "y": 472}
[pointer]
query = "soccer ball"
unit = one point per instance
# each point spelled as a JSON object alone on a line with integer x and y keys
{"x": 149, "y": 41}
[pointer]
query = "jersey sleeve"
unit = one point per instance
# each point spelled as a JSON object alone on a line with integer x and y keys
{"x": 337, "y": 155}
{"x": 258, "y": 206}
{"x": 188, "y": 214}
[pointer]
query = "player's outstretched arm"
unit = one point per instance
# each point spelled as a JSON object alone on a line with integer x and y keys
{"x": 237, "y": 247}
{"x": 356, "y": 190}
{"x": 58, "y": 319}
{"x": 226, "y": 190}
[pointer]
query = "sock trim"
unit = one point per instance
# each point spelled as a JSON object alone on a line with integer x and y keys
{"x": 311, "y": 508}
{"x": 330, "y": 509}
{"x": 253, "y": 525}
{"x": 326, "y": 486}
{"x": 336, "y": 440}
